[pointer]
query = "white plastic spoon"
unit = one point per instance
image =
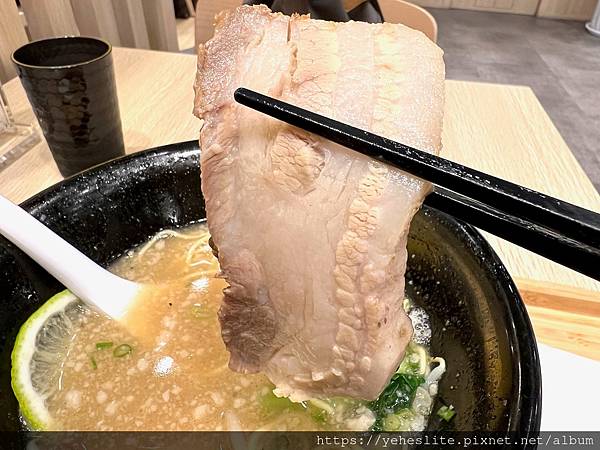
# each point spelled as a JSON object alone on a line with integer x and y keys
{"x": 94, "y": 285}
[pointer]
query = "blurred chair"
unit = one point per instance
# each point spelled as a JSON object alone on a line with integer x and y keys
{"x": 131, "y": 23}
{"x": 12, "y": 36}
{"x": 161, "y": 24}
{"x": 190, "y": 7}
{"x": 48, "y": 18}
{"x": 205, "y": 17}
{"x": 413, "y": 16}
{"x": 127, "y": 23}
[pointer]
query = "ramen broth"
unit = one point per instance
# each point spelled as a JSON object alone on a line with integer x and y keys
{"x": 172, "y": 373}
{"x": 175, "y": 376}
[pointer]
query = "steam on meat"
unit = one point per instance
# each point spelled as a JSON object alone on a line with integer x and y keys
{"x": 311, "y": 236}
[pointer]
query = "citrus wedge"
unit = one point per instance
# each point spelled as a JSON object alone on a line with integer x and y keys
{"x": 39, "y": 351}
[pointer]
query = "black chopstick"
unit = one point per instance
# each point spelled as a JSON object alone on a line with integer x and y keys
{"x": 541, "y": 240}
{"x": 558, "y": 230}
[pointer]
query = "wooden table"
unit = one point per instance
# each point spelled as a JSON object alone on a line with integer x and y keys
{"x": 498, "y": 129}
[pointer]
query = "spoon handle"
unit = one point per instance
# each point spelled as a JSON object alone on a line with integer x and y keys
{"x": 93, "y": 284}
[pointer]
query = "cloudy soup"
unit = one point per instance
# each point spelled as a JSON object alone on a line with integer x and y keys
{"x": 174, "y": 375}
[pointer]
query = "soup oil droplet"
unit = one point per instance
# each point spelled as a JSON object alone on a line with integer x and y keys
{"x": 163, "y": 366}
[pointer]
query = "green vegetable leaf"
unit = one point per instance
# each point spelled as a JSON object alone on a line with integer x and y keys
{"x": 103, "y": 345}
{"x": 93, "y": 363}
{"x": 446, "y": 412}
{"x": 398, "y": 395}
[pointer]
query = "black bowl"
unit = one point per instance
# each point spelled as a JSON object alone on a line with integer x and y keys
{"x": 479, "y": 322}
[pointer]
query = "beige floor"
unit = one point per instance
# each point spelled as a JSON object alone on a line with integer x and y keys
{"x": 185, "y": 33}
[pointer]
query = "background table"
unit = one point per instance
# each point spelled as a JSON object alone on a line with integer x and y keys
{"x": 502, "y": 130}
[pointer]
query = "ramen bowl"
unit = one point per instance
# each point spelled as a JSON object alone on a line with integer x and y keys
{"x": 478, "y": 320}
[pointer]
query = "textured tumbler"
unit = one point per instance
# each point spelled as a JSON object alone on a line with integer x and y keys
{"x": 70, "y": 84}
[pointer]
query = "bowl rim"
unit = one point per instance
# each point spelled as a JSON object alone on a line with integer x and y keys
{"x": 525, "y": 414}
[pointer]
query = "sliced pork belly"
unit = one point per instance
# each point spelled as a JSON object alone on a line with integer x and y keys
{"x": 312, "y": 237}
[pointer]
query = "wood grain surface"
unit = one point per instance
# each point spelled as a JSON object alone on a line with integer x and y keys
{"x": 498, "y": 129}
{"x": 563, "y": 317}
{"x": 505, "y": 131}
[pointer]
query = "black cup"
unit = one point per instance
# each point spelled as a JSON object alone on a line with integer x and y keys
{"x": 70, "y": 84}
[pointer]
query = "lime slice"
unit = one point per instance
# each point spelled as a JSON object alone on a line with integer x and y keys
{"x": 39, "y": 351}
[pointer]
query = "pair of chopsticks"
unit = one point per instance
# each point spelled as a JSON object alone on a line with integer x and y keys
{"x": 557, "y": 230}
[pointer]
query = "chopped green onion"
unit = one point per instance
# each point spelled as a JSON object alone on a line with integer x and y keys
{"x": 93, "y": 363}
{"x": 122, "y": 350}
{"x": 415, "y": 360}
{"x": 103, "y": 345}
{"x": 319, "y": 410}
{"x": 446, "y": 412}
{"x": 319, "y": 415}
{"x": 399, "y": 421}
{"x": 273, "y": 405}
